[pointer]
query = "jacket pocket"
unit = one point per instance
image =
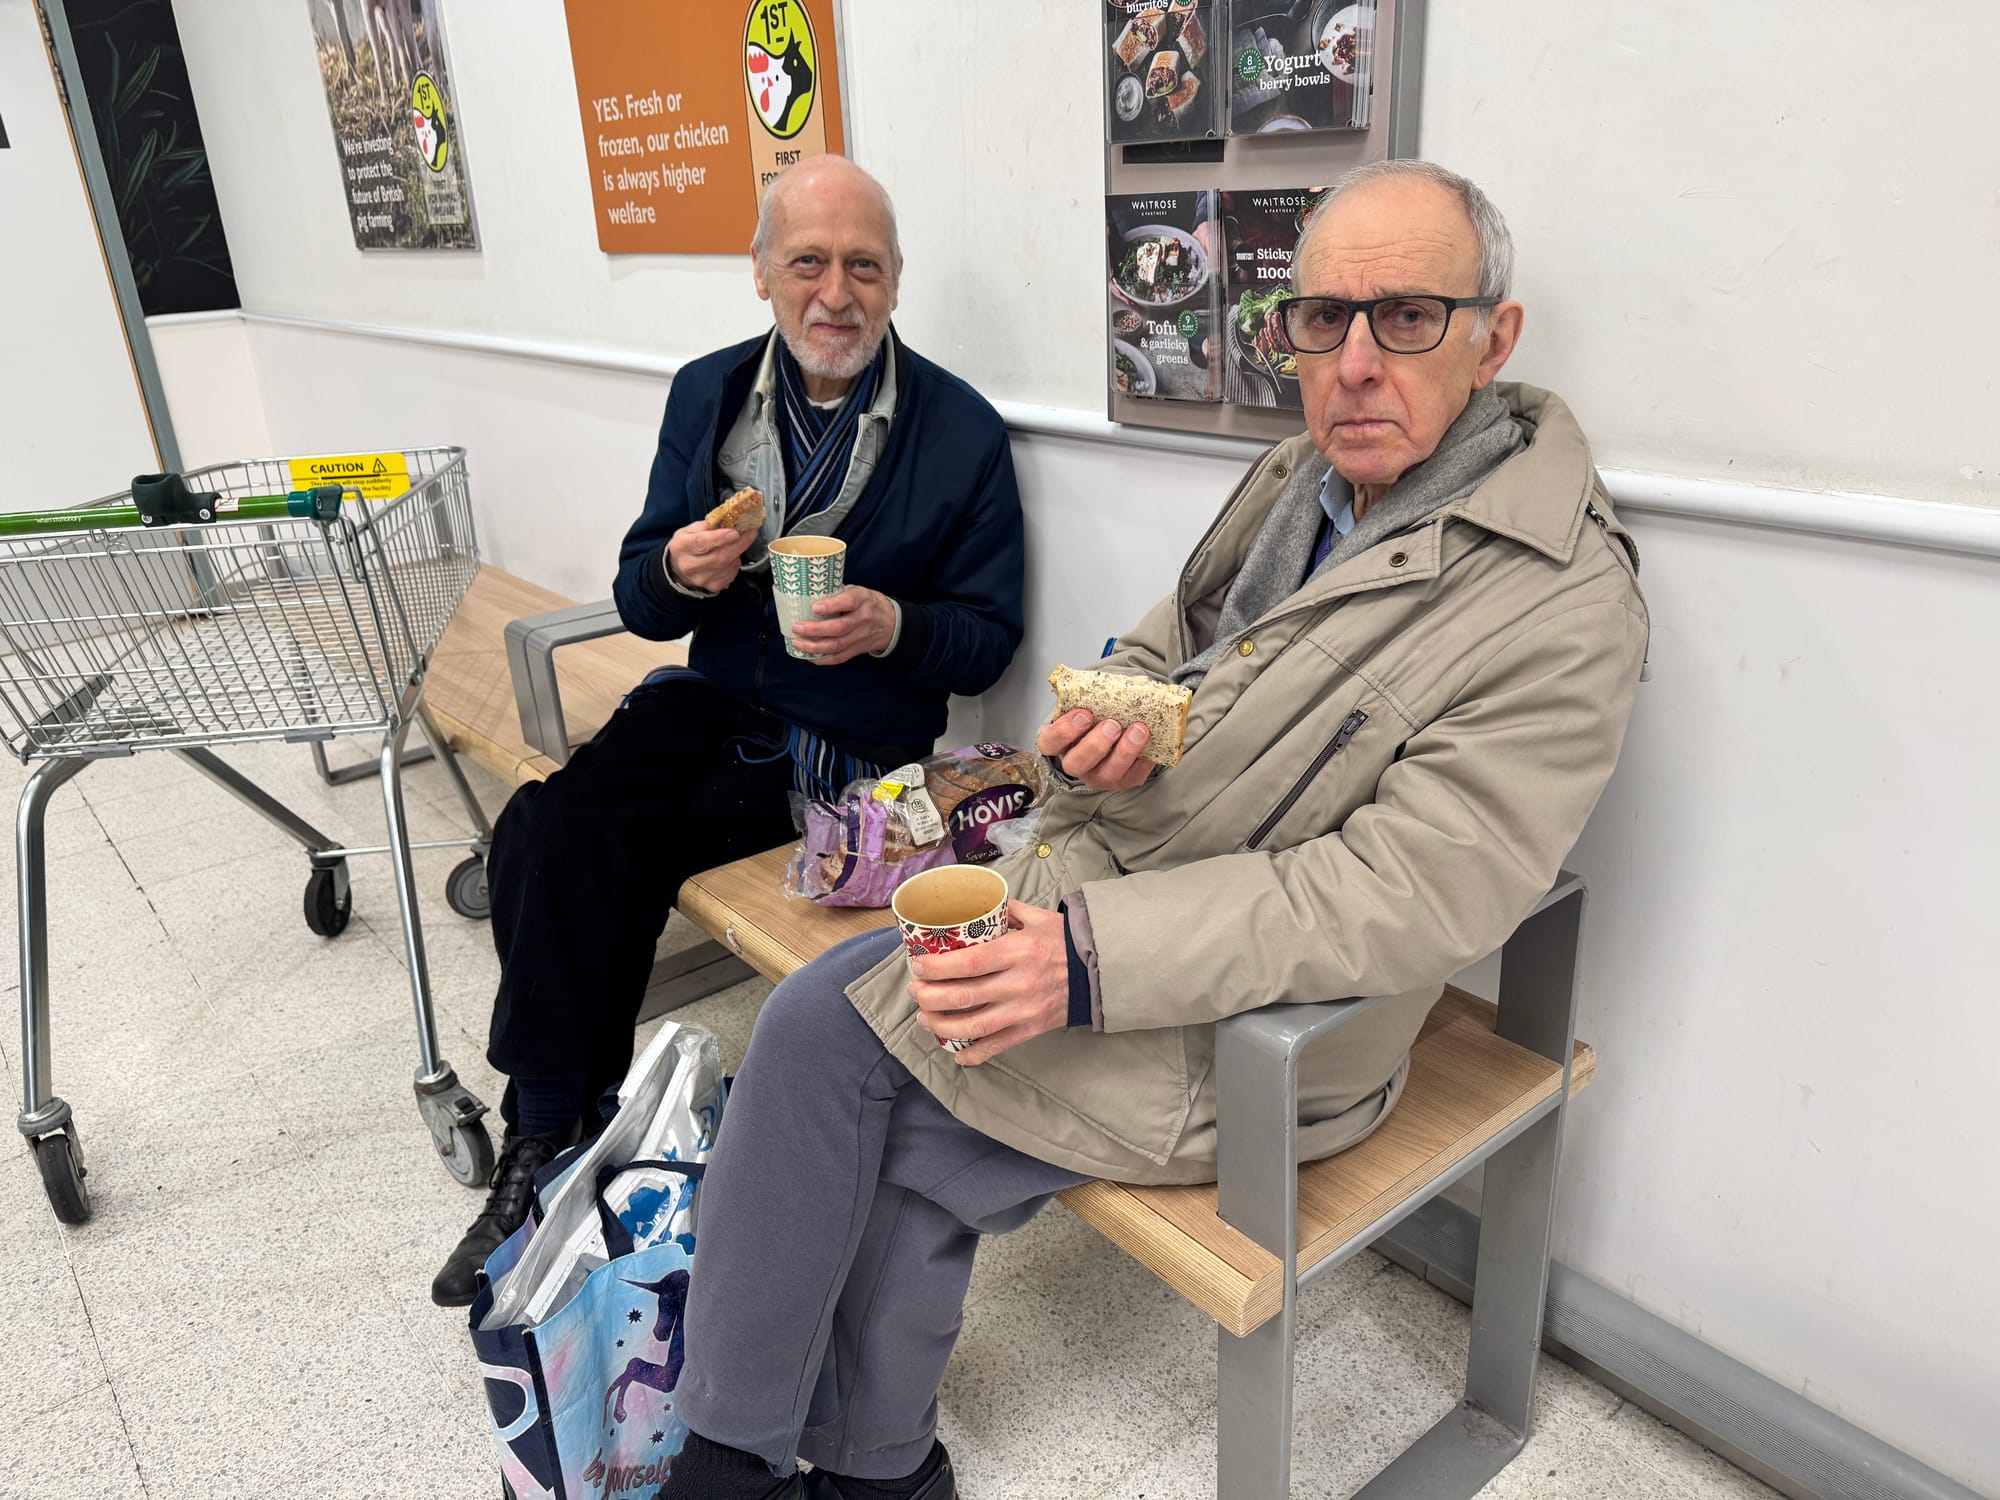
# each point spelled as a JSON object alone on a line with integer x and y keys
{"x": 1349, "y": 728}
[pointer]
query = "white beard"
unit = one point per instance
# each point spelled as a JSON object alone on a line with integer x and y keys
{"x": 825, "y": 367}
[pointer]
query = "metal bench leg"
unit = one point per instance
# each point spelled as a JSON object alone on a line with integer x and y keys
{"x": 1517, "y": 1207}
{"x": 1479, "y": 1437}
{"x": 1253, "y": 1436}
{"x": 1257, "y": 1190}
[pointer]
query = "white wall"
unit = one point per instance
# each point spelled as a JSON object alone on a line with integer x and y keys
{"x": 1785, "y": 974}
{"x": 1746, "y": 229}
{"x": 72, "y": 426}
{"x": 211, "y": 386}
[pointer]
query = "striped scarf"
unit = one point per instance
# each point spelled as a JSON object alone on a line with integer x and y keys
{"x": 818, "y": 445}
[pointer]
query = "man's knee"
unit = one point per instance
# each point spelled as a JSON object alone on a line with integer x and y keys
{"x": 555, "y": 824}
{"x": 810, "y": 1030}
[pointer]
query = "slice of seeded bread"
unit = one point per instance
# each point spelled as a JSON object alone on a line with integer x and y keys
{"x": 1160, "y": 706}
{"x": 742, "y": 511}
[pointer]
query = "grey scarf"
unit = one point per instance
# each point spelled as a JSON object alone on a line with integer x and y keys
{"x": 1484, "y": 437}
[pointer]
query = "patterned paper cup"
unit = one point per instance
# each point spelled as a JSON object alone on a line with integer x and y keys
{"x": 804, "y": 568}
{"x": 948, "y": 908}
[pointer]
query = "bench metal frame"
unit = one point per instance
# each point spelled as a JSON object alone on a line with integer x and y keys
{"x": 703, "y": 969}
{"x": 1257, "y": 1079}
{"x": 531, "y": 661}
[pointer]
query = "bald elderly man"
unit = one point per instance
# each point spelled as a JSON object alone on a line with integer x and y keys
{"x": 1414, "y": 635}
{"x": 848, "y": 433}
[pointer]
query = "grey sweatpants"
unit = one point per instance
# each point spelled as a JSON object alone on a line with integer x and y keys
{"x": 835, "y": 1236}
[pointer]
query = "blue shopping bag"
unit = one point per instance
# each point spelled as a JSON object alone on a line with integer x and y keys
{"x": 582, "y": 1404}
{"x": 578, "y": 1324}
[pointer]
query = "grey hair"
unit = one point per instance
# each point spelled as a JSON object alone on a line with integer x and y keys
{"x": 760, "y": 242}
{"x": 1490, "y": 234}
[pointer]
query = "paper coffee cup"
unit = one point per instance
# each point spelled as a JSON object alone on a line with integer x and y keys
{"x": 804, "y": 568}
{"x": 948, "y": 908}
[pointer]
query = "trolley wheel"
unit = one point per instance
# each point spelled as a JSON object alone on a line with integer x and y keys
{"x": 60, "y": 1158}
{"x": 470, "y": 1157}
{"x": 465, "y": 889}
{"x": 327, "y": 911}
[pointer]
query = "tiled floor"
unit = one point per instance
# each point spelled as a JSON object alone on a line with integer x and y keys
{"x": 247, "y": 1314}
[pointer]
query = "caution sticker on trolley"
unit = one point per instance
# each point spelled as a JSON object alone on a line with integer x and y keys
{"x": 379, "y": 476}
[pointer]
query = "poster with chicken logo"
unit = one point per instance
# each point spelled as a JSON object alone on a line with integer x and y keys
{"x": 387, "y": 79}
{"x": 689, "y": 110}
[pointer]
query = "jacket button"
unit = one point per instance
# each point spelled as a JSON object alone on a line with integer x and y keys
{"x": 1245, "y": 648}
{"x": 1043, "y": 851}
{"x": 1280, "y": 471}
{"x": 1397, "y": 559}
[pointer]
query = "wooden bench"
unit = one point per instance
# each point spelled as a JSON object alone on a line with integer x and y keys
{"x": 1487, "y": 1088}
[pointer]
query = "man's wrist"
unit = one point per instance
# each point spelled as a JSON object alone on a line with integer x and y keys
{"x": 895, "y": 630}
{"x": 674, "y": 580}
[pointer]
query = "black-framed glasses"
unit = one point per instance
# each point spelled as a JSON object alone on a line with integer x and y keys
{"x": 1401, "y": 325}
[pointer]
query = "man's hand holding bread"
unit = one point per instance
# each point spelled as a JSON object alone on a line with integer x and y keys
{"x": 706, "y": 554}
{"x": 1110, "y": 730}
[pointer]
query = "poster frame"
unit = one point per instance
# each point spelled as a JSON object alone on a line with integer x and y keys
{"x": 1235, "y": 162}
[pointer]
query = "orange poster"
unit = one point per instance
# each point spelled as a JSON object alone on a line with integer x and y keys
{"x": 690, "y": 106}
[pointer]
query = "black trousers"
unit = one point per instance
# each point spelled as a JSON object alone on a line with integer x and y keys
{"x": 586, "y": 866}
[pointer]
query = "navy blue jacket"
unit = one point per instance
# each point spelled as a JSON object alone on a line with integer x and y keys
{"x": 938, "y": 529}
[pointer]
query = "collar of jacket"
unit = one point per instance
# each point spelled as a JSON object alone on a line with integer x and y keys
{"x": 1539, "y": 498}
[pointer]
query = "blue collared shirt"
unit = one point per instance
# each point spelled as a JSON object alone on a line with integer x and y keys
{"x": 1336, "y": 498}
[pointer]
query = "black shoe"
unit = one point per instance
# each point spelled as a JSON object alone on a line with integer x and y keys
{"x": 513, "y": 1183}
{"x": 820, "y": 1485}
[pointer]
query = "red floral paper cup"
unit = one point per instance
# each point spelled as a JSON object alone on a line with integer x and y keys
{"x": 948, "y": 908}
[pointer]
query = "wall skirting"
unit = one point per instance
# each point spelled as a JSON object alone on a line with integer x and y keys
{"x": 1798, "y": 1448}
{"x": 1968, "y": 529}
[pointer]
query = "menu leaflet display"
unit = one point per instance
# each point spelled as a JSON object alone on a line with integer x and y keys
{"x": 1260, "y": 229}
{"x": 1306, "y": 66}
{"x": 1162, "y": 67}
{"x": 1165, "y": 295}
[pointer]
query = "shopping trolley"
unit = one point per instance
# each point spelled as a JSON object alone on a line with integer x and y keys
{"x": 220, "y": 608}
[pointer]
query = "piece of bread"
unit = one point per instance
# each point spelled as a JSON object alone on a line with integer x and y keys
{"x": 1160, "y": 706}
{"x": 742, "y": 511}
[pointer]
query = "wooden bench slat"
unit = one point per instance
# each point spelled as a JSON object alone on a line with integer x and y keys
{"x": 741, "y": 906}
{"x": 471, "y": 693}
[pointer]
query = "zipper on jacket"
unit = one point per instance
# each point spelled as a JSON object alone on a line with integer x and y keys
{"x": 1349, "y": 728}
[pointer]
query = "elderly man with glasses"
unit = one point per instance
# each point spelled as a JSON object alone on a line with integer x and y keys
{"x": 1414, "y": 636}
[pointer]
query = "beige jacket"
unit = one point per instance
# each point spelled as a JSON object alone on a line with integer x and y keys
{"x": 1379, "y": 782}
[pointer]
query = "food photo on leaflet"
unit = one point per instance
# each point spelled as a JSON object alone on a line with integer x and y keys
{"x": 1163, "y": 294}
{"x": 1161, "y": 70}
{"x": 1306, "y": 66}
{"x": 1223, "y": 769}
{"x": 1260, "y": 227}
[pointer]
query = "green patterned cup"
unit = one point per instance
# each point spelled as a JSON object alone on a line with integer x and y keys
{"x": 804, "y": 568}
